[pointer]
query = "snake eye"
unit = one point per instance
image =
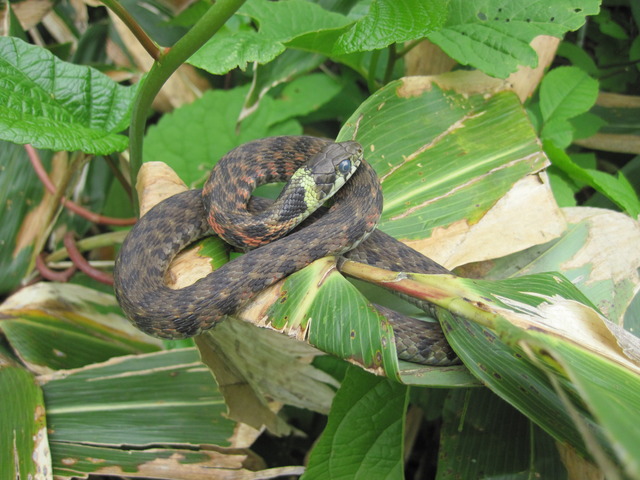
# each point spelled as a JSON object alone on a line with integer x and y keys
{"x": 344, "y": 166}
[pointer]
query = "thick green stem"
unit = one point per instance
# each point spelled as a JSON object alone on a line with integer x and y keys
{"x": 168, "y": 63}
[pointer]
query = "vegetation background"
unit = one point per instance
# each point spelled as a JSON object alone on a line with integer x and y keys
{"x": 507, "y": 139}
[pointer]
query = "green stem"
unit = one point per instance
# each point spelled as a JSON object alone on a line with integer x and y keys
{"x": 373, "y": 66}
{"x": 391, "y": 61}
{"x": 90, "y": 243}
{"x": 161, "y": 70}
{"x": 149, "y": 45}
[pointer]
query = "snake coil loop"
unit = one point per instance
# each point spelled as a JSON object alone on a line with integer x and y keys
{"x": 182, "y": 219}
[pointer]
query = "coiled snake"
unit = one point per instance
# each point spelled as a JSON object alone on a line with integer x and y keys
{"x": 181, "y": 219}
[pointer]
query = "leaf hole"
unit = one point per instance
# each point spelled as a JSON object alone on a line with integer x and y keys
{"x": 482, "y": 16}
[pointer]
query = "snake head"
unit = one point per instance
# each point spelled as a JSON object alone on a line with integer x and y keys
{"x": 333, "y": 166}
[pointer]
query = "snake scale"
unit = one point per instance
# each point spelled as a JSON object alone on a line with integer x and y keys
{"x": 348, "y": 228}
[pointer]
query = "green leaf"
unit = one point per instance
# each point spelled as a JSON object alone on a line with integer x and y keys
{"x": 437, "y": 170}
{"x": 494, "y": 36}
{"x": 477, "y": 440}
{"x": 578, "y": 57}
{"x": 279, "y": 22}
{"x": 24, "y": 451}
{"x": 324, "y": 32}
{"x": 392, "y": 21}
{"x": 229, "y": 49}
{"x": 54, "y": 326}
{"x": 586, "y": 125}
{"x": 90, "y": 405}
{"x": 564, "y": 190}
{"x": 303, "y": 96}
{"x": 363, "y": 437}
{"x": 57, "y": 105}
{"x": 174, "y": 414}
{"x": 184, "y": 141}
{"x": 286, "y": 67}
{"x": 612, "y": 394}
{"x": 344, "y": 326}
{"x": 618, "y": 190}
{"x": 559, "y": 131}
{"x": 566, "y": 92}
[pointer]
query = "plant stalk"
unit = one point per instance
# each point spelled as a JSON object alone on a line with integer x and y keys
{"x": 162, "y": 69}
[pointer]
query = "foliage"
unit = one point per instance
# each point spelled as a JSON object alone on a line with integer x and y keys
{"x": 541, "y": 310}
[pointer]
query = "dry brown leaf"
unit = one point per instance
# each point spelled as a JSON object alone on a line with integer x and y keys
{"x": 30, "y": 13}
{"x": 184, "y": 86}
{"x": 527, "y": 215}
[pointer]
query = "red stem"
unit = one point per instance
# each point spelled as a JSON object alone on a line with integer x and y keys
{"x": 53, "y": 275}
{"x": 83, "y": 212}
{"x": 82, "y": 264}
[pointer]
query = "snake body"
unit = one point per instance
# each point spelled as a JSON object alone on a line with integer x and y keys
{"x": 348, "y": 228}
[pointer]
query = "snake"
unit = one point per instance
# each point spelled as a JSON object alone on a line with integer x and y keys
{"x": 278, "y": 239}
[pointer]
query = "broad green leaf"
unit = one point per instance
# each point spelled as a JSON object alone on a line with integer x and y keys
{"x": 194, "y": 137}
{"x": 229, "y": 49}
{"x": 617, "y": 189}
{"x": 279, "y": 22}
{"x": 513, "y": 335}
{"x": 566, "y": 92}
{"x": 171, "y": 408}
{"x": 320, "y": 306}
{"x": 611, "y": 393}
{"x": 304, "y": 95}
{"x": 442, "y": 157}
{"x": 483, "y": 436}
{"x": 494, "y": 36}
{"x": 386, "y": 22}
{"x": 89, "y": 405}
{"x": 364, "y": 434}
{"x": 54, "y": 326}
{"x": 559, "y": 131}
{"x": 24, "y": 448}
{"x": 57, "y": 105}
{"x": 324, "y": 32}
{"x": 286, "y": 67}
